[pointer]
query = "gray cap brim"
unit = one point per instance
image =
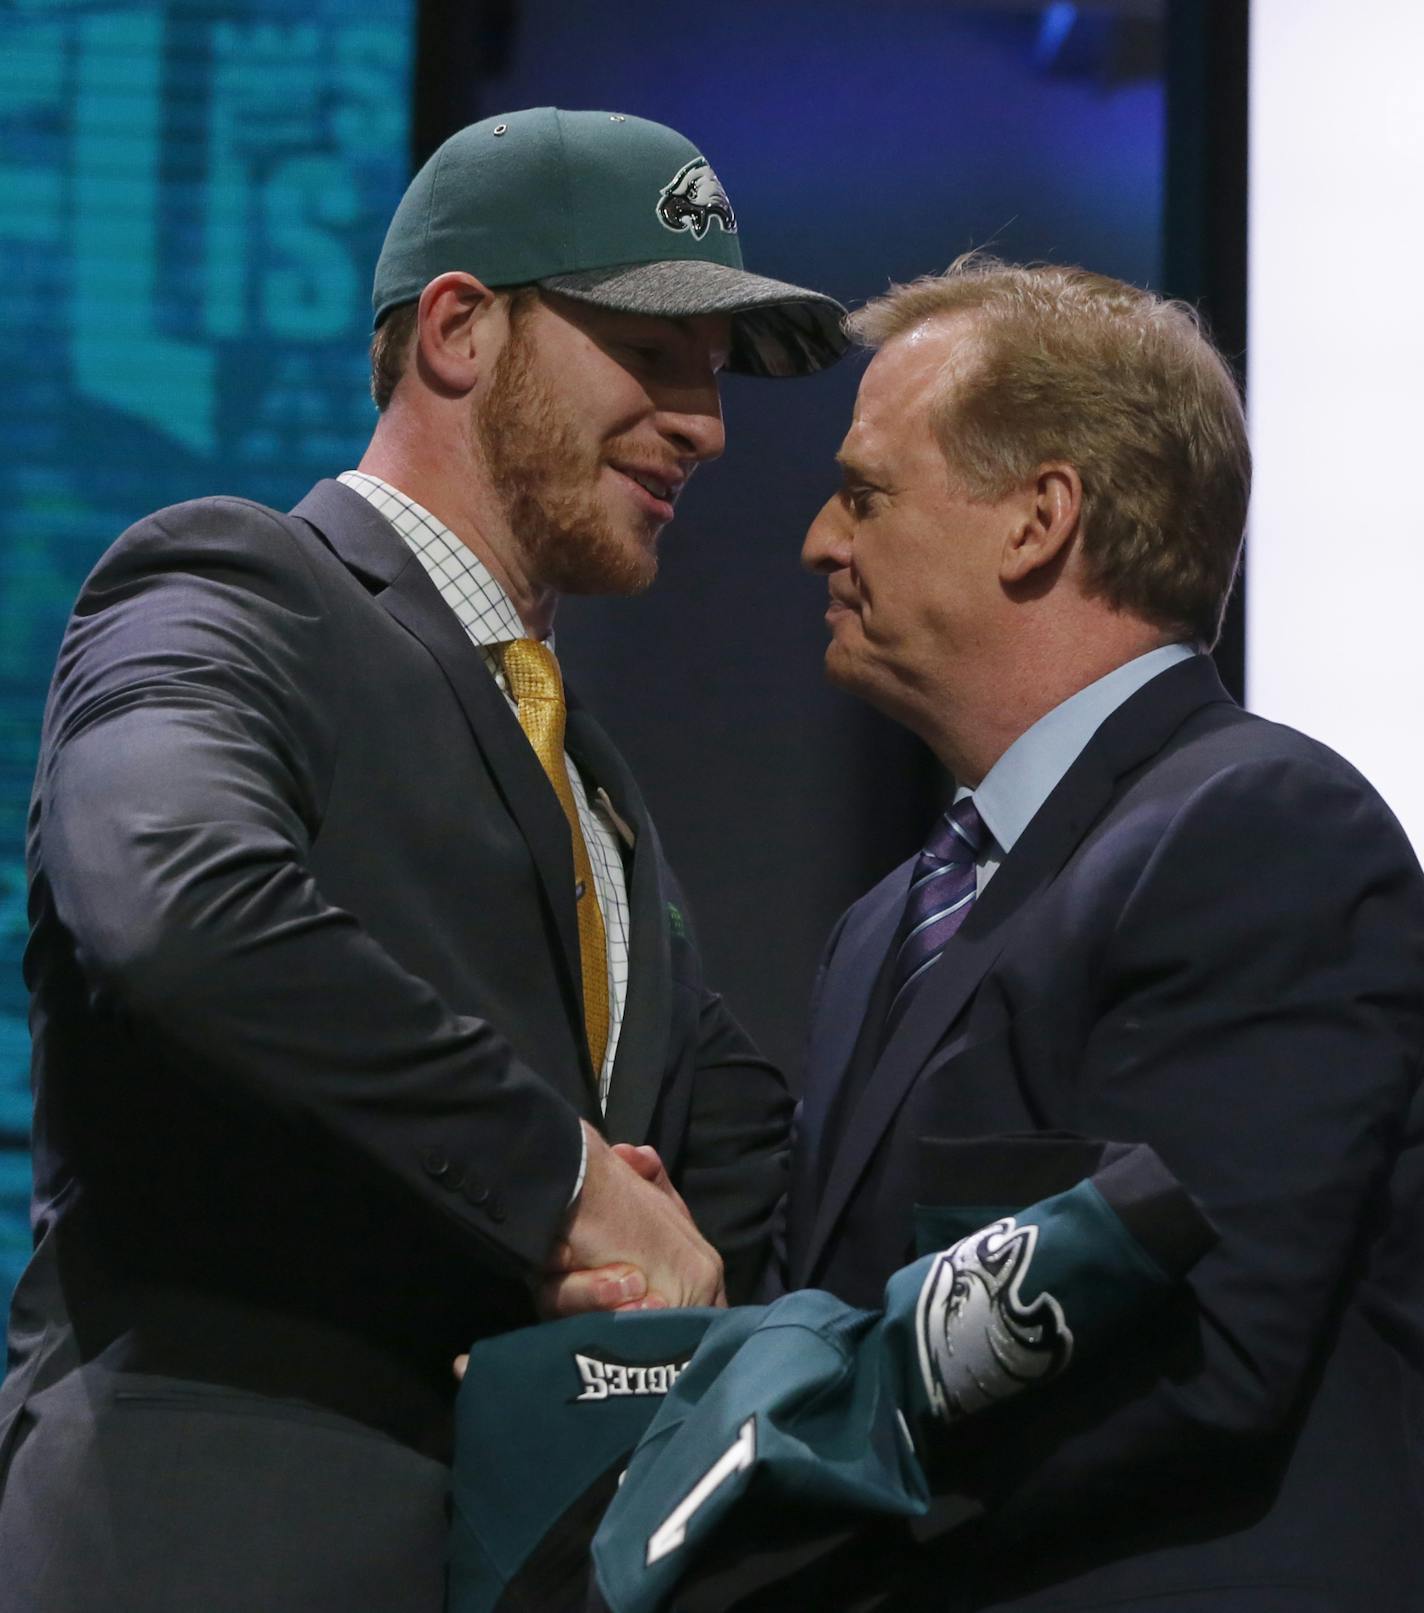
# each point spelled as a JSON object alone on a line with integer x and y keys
{"x": 777, "y": 329}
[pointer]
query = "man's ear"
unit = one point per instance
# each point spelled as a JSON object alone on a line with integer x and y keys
{"x": 452, "y": 339}
{"x": 1050, "y": 511}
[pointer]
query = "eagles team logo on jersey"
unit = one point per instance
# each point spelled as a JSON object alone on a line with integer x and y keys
{"x": 978, "y": 1342}
{"x": 693, "y": 199}
{"x": 604, "y": 1380}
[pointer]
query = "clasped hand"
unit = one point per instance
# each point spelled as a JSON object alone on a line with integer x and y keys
{"x": 630, "y": 1243}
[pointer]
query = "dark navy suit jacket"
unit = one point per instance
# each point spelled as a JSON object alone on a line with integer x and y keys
{"x": 1211, "y": 939}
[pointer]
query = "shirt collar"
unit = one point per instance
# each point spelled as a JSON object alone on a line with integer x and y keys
{"x": 1026, "y": 774}
{"x": 466, "y": 584}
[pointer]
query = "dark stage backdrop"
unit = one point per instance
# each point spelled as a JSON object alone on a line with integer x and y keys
{"x": 860, "y": 144}
{"x": 192, "y": 194}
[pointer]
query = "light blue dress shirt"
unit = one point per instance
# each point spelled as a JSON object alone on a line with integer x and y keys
{"x": 1025, "y": 775}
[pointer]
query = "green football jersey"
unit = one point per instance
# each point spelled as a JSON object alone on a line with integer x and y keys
{"x": 669, "y": 1436}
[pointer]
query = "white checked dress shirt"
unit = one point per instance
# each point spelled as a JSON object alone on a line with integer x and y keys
{"x": 489, "y": 618}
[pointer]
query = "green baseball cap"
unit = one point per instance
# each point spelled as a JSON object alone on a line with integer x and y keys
{"x": 608, "y": 209}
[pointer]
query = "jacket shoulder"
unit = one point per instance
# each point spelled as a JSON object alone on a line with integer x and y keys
{"x": 223, "y": 537}
{"x": 1252, "y": 751}
{"x": 210, "y": 519}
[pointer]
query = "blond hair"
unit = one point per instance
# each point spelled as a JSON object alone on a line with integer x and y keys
{"x": 1069, "y": 365}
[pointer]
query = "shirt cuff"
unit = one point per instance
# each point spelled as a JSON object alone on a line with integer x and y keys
{"x": 582, "y": 1170}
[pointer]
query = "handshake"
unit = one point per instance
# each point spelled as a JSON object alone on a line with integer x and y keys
{"x": 630, "y": 1242}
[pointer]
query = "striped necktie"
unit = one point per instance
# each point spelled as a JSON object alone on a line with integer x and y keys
{"x": 940, "y": 899}
{"x": 532, "y": 674}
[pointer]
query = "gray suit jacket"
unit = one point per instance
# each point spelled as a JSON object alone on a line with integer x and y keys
{"x": 309, "y": 1060}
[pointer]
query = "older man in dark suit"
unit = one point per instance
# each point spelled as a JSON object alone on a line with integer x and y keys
{"x": 1146, "y": 916}
{"x": 353, "y": 943}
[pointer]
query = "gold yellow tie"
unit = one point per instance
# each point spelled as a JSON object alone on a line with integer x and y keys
{"x": 532, "y": 674}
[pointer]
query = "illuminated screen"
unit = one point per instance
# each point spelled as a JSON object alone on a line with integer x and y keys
{"x": 192, "y": 197}
{"x": 1336, "y": 549}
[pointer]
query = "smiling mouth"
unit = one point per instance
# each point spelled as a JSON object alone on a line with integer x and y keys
{"x": 657, "y": 494}
{"x": 658, "y": 488}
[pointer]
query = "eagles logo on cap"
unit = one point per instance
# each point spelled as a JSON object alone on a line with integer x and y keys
{"x": 693, "y": 198}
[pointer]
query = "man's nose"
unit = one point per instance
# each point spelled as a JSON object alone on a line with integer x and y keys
{"x": 694, "y": 426}
{"x": 827, "y": 544}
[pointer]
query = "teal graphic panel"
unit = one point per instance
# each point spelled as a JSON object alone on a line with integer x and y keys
{"x": 192, "y": 197}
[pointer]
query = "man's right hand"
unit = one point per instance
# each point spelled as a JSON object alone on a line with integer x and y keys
{"x": 624, "y": 1219}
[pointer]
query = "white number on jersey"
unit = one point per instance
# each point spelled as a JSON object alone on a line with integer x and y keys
{"x": 671, "y": 1533}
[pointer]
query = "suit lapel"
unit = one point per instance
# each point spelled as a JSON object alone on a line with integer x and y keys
{"x": 1133, "y": 733}
{"x": 641, "y": 1059}
{"x": 844, "y": 1000}
{"x": 366, "y": 542}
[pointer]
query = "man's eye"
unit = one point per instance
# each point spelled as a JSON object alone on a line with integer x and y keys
{"x": 861, "y": 500}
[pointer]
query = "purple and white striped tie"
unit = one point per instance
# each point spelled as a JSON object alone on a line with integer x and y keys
{"x": 940, "y": 899}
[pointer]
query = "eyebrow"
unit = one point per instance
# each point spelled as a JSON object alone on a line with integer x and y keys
{"x": 853, "y": 469}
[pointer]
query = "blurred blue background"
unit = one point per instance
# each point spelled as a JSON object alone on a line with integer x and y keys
{"x": 192, "y": 195}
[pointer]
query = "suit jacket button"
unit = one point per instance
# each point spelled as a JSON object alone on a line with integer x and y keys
{"x": 434, "y": 1162}
{"x": 475, "y": 1193}
{"x": 494, "y": 1207}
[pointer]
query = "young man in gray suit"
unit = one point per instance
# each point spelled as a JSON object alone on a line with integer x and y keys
{"x": 352, "y": 942}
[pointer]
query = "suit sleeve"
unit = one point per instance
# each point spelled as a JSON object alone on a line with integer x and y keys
{"x": 1260, "y": 1024}
{"x": 776, "y": 1278}
{"x": 192, "y": 732}
{"x": 732, "y": 1163}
